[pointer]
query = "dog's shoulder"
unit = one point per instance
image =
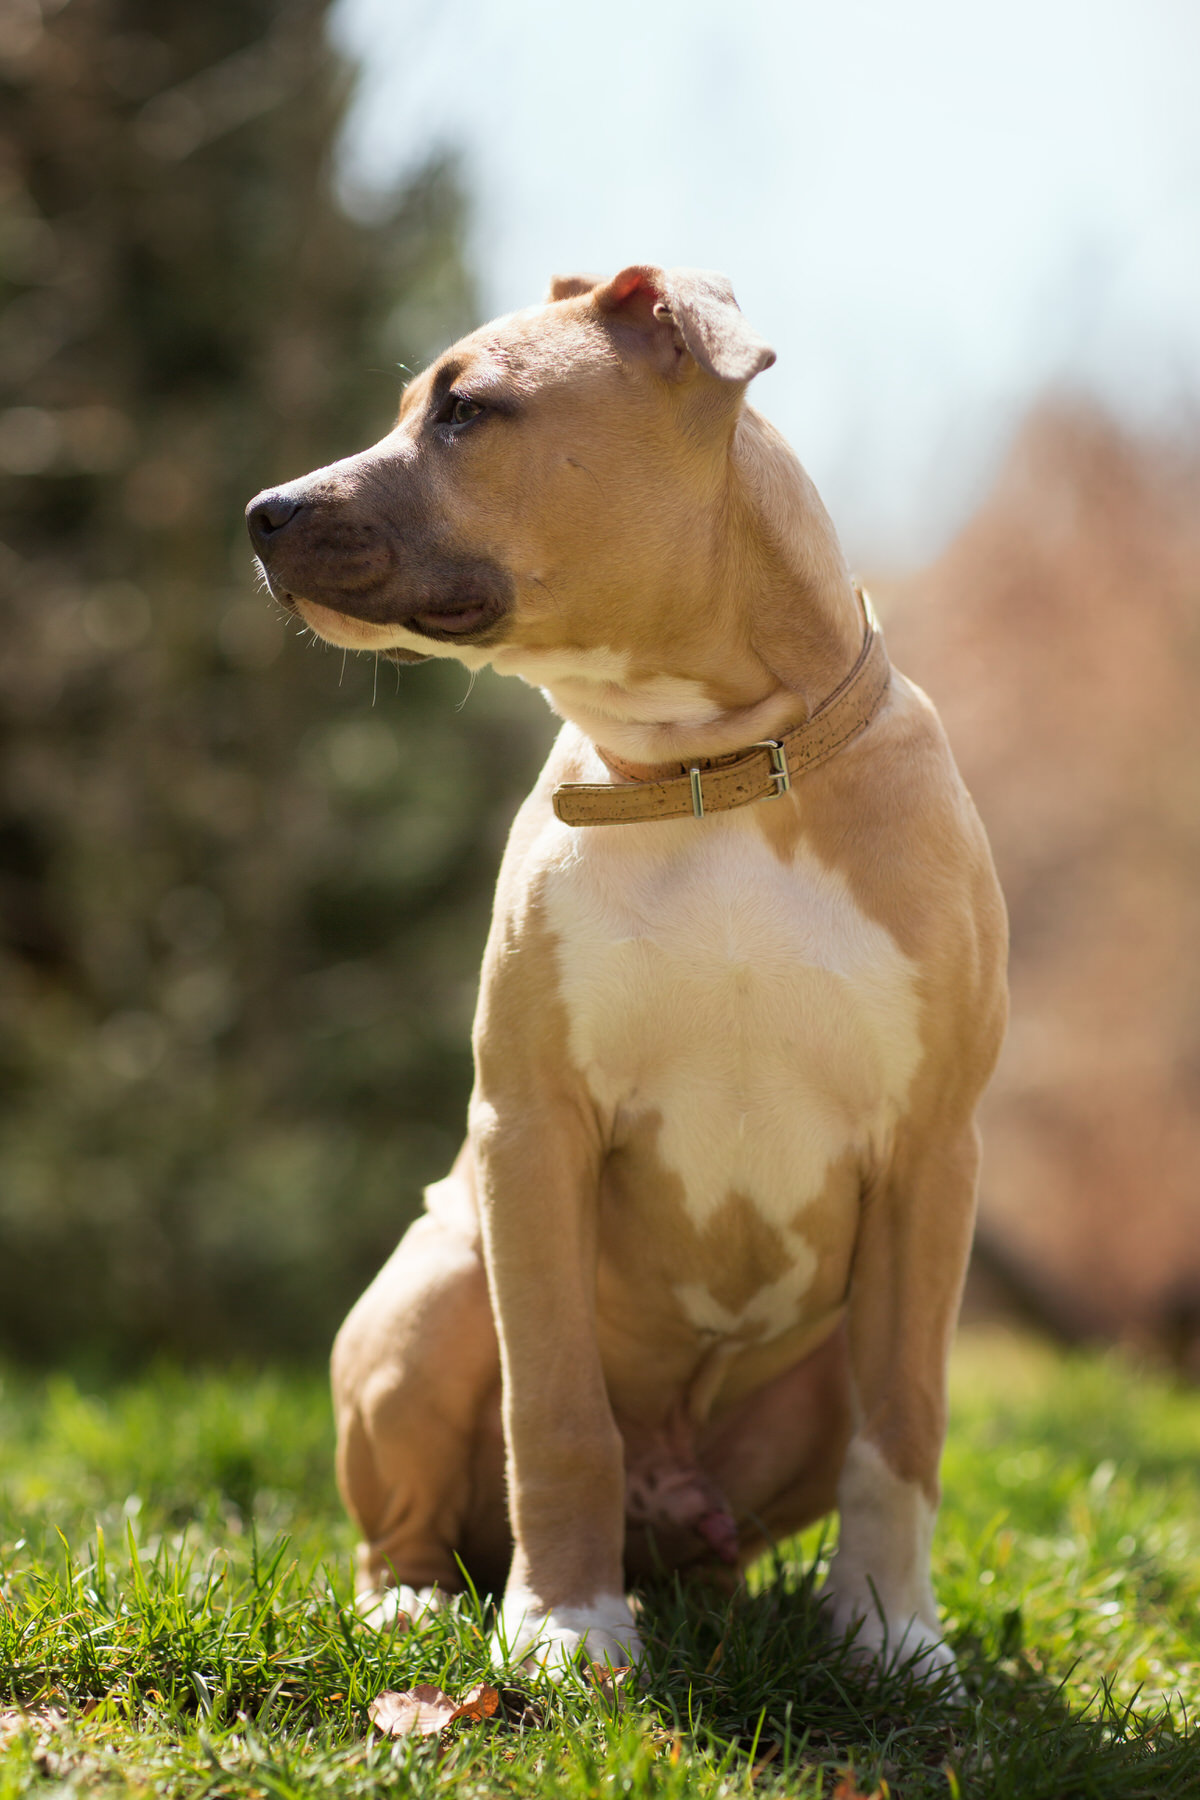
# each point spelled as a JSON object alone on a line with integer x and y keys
{"x": 895, "y": 795}
{"x": 895, "y": 815}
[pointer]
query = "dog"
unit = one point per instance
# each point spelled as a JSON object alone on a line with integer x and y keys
{"x": 692, "y": 1281}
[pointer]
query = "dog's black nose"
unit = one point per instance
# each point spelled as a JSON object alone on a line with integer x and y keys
{"x": 267, "y": 514}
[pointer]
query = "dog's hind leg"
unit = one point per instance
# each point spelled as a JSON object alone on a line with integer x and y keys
{"x": 416, "y": 1379}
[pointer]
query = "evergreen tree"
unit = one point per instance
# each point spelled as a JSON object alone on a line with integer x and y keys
{"x": 241, "y": 905}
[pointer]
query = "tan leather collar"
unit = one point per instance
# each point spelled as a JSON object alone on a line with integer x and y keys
{"x": 760, "y": 772}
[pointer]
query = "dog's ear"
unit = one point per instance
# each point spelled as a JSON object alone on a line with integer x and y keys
{"x": 568, "y": 287}
{"x": 686, "y": 310}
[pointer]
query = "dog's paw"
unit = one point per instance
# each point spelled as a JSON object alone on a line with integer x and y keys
{"x": 889, "y": 1643}
{"x": 398, "y": 1608}
{"x": 556, "y": 1640}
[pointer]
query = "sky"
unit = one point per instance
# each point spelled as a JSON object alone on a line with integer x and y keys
{"x": 935, "y": 211}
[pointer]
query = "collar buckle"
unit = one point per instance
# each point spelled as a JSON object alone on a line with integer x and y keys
{"x": 781, "y": 775}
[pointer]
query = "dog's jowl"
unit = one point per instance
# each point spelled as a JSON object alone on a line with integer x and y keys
{"x": 692, "y": 1280}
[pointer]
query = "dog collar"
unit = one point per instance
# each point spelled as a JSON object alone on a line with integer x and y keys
{"x": 760, "y": 772}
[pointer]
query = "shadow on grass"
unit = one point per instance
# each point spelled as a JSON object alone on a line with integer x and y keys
{"x": 758, "y": 1676}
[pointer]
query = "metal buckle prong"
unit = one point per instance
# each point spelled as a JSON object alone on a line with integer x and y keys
{"x": 781, "y": 775}
{"x": 697, "y": 791}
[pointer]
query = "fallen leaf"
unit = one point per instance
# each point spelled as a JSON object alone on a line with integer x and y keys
{"x": 419, "y": 1712}
{"x": 425, "y": 1710}
{"x": 848, "y": 1789}
{"x": 608, "y": 1681}
{"x": 480, "y": 1703}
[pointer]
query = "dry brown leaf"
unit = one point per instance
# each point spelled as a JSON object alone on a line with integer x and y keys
{"x": 425, "y": 1710}
{"x": 480, "y": 1703}
{"x": 609, "y": 1681}
{"x": 848, "y": 1789}
{"x": 419, "y": 1712}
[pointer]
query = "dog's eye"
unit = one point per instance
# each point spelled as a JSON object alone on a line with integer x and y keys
{"x": 461, "y": 411}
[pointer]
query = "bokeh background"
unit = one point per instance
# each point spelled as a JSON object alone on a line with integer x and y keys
{"x": 244, "y": 882}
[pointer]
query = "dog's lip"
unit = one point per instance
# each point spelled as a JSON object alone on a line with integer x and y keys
{"x": 398, "y": 653}
{"x": 464, "y": 620}
{"x": 454, "y": 622}
{"x": 469, "y": 622}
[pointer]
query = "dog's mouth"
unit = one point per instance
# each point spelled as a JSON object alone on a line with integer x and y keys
{"x": 396, "y": 653}
{"x": 465, "y": 620}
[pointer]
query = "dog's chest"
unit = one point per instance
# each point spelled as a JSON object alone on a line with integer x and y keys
{"x": 744, "y": 1007}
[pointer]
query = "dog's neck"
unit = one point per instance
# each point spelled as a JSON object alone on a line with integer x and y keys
{"x": 777, "y": 624}
{"x": 795, "y": 584}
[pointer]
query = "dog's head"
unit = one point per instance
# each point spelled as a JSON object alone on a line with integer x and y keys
{"x": 544, "y": 477}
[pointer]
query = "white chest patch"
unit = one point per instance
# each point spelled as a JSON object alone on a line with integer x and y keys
{"x": 768, "y": 1024}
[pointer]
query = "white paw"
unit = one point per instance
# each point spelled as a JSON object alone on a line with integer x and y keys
{"x": 398, "y": 1608}
{"x": 893, "y": 1643}
{"x": 554, "y": 1640}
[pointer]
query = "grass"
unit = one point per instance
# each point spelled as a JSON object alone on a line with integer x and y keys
{"x": 175, "y": 1619}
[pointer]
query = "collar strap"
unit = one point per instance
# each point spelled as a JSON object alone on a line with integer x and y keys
{"x": 760, "y": 772}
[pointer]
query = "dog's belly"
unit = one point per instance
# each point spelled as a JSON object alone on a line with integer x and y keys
{"x": 749, "y": 1037}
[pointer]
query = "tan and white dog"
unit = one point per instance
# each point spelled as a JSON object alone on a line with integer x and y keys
{"x": 692, "y": 1280}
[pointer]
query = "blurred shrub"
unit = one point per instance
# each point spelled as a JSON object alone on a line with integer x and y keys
{"x": 242, "y": 896}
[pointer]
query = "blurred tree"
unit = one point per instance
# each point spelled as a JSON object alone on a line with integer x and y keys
{"x": 1059, "y": 635}
{"x": 241, "y": 904}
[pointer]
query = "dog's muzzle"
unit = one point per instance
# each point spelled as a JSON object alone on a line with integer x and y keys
{"x": 334, "y": 551}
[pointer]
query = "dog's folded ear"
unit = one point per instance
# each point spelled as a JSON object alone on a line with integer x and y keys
{"x": 690, "y": 311}
{"x": 568, "y": 287}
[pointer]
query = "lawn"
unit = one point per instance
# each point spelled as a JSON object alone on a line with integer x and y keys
{"x": 174, "y": 1616}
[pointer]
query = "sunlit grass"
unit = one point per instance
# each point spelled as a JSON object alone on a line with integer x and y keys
{"x": 174, "y": 1615}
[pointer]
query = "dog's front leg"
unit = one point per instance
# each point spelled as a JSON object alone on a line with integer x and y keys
{"x": 538, "y": 1161}
{"x": 911, "y": 1254}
